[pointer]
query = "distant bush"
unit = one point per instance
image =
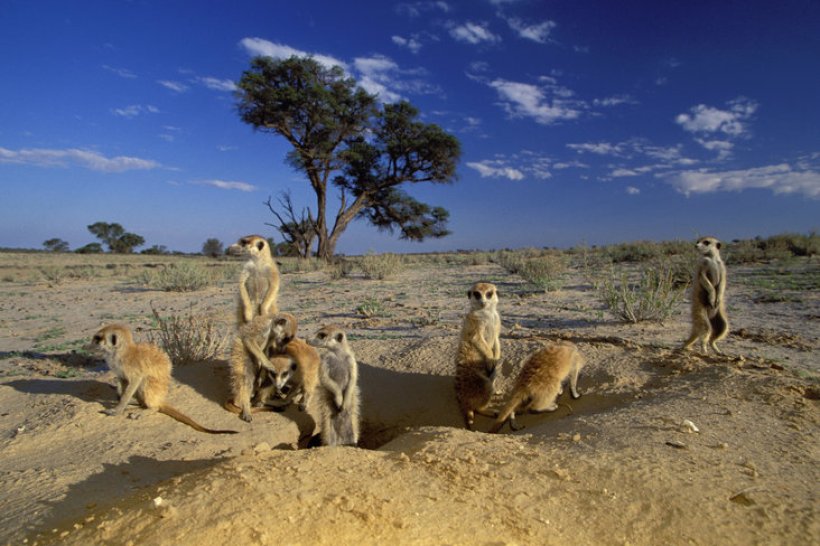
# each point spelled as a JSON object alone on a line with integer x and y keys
{"x": 545, "y": 272}
{"x": 187, "y": 338}
{"x": 653, "y": 297}
{"x": 178, "y": 277}
{"x": 381, "y": 266}
{"x": 371, "y": 307}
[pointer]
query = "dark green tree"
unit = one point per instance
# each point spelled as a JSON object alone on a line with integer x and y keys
{"x": 156, "y": 250}
{"x": 213, "y": 248}
{"x": 116, "y": 238}
{"x": 90, "y": 248}
{"x": 339, "y": 134}
{"x": 56, "y": 245}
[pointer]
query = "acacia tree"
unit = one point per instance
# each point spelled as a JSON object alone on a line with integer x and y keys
{"x": 56, "y": 245}
{"x": 114, "y": 235}
{"x": 340, "y": 135}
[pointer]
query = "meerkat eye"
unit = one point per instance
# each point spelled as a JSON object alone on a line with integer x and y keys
{"x": 706, "y": 243}
{"x": 97, "y": 339}
{"x": 293, "y": 367}
{"x": 340, "y": 337}
{"x": 260, "y": 245}
{"x": 113, "y": 339}
{"x": 477, "y": 295}
{"x": 321, "y": 335}
{"x": 489, "y": 294}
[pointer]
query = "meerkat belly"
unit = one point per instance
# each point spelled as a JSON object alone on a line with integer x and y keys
{"x": 340, "y": 374}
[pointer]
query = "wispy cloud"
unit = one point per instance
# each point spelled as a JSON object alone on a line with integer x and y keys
{"x": 44, "y": 157}
{"x": 474, "y": 33}
{"x": 412, "y": 43}
{"x": 780, "y": 179}
{"x": 227, "y": 185}
{"x": 176, "y": 87}
{"x": 715, "y": 129}
{"x": 615, "y": 100}
{"x": 537, "y": 32}
{"x": 135, "y": 110}
{"x": 121, "y": 72}
{"x": 515, "y": 167}
{"x": 259, "y": 46}
{"x": 217, "y": 84}
{"x": 380, "y": 75}
{"x": 546, "y": 104}
{"x": 417, "y": 9}
{"x": 632, "y": 190}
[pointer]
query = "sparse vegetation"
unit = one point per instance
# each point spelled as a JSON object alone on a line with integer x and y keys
{"x": 371, "y": 307}
{"x": 653, "y": 297}
{"x": 187, "y": 338}
{"x": 178, "y": 277}
{"x": 381, "y": 266}
{"x": 542, "y": 269}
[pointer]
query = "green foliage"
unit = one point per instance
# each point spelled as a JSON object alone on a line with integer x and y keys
{"x": 114, "y": 235}
{"x": 381, "y": 266}
{"x": 371, "y": 307}
{"x": 156, "y": 250}
{"x": 337, "y": 133}
{"x": 56, "y": 245}
{"x": 187, "y": 338}
{"x": 213, "y": 248}
{"x": 653, "y": 297}
{"x": 90, "y": 248}
{"x": 178, "y": 277}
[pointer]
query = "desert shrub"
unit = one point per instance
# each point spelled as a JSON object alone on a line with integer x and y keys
{"x": 179, "y": 277}
{"x": 187, "y": 338}
{"x": 300, "y": 265}
{"x": 371, "y": 307}
{"x": 795, "y": 243}
{"x": 742, "y": 252}
{"x": 638, "y": 251}
{"x": 545, "y": 272}
{"x": 54, "y": 274}
{"x": 653, "y": 297}
{"x": 339, "y": 268}
{"x": 381, "y": 266}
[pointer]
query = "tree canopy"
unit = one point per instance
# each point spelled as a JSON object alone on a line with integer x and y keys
{"x": 340, "y": 134}
{"x": 116, "y": 238}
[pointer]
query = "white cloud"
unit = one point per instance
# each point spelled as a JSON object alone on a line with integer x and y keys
{"x": 43, "y": 157}
{"x": 228, "y": 185}
{"x": 258, "y": 46}
{"x": 730, "y": 122}
{"x": 474, "y": 33}
{"x": 135, "y": 110}
{"x": 121, "y": 72}
{"x": 527, "y": 100}
{"x": 416, "y": 9}
{"x": 216, "y": 84}
{"x": 380, "y": 75}
{"x": 781, "y": 178}
{"x": 493, "y": 170}
{"x": 632, "y": 190}
{"x": 539, "y": 32}
{"x": 599, "y": 148}
{"x": 176, "y": 87}
{"x": 413, "y": 44}
{"x": 615, "y": 100}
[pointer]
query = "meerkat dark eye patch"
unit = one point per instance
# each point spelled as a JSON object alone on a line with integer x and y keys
{"x": 281, "y": 322}
{"x": 113, "y": 339}
{"x": 293, "y": 366}
{"x": 340, "y": 337}
{"x": 260, "y": 245}
{"x": 489, "y": 294}
{"x": 321, "y": 335}
{"x": 477, "y": 295}
{"x": 97, "y": 339}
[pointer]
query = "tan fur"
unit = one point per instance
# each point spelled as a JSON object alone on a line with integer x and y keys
{"x": 143, "y": 370}
{"x": 710, "y": 322}
{"x": 293, "y": 374}
{"x": 539, "y": 382}
{"x": 478, "y": 353}
{"x": 339, "y": 396}
{"x": 259, "y": 280}
{"x": 249, "y": 358}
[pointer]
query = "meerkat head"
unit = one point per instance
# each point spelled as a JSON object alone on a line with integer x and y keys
{"x": 110, "y": 339}
{"x": 329, "y": 337}
{"x": 283, "y": 329}
{"x": 252, "y": 246}
{"x": 282, "y": 370}
{"x": 708, "y": 246}
{"x": 483, "y": 295}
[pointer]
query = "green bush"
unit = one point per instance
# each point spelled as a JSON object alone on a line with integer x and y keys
{"x": 178, "y": 277}
{"x": 381, "y": 266}
{"x": 653, "y": 297}
{"x": 187, "y": 338}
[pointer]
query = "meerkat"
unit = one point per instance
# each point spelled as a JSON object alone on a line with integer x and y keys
{"x": 709, "y": 320}
{"x": 292, "y": 374}
{"x": 478, "y": 353}
{"x": 339, "y": 380}
{"x": 143, "y": 370}
{"x": 540, "y": 381}
{"x": 259, "y": 280}
{"x": 249, "y": 358}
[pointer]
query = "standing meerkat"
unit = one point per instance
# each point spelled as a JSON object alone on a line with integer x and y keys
{"x": 249, "y": 358}
{"x": 340, "y": 392}
{"x": 478, "y": 353}
{"x": 143, "y": 370}
{"x": 540, "y": 382}
{"x": 709, "y": 320}
{"x": 259, "y": 280}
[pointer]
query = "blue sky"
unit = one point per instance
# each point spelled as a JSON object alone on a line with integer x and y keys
{"x": 580, "y": 121}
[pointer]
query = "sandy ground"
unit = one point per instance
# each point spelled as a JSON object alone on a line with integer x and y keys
{"x": 614, "y": 467}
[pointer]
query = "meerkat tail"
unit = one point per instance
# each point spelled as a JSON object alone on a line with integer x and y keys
{"x": 182, "y": 418}
{"x": 507, "y": 413}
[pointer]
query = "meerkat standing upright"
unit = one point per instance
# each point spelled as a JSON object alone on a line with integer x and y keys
{"x": 249, "y": 358}
{"x": 339, "y": 377}
{"x": 709, "y": 320}
{"x": 478, "y": 353}
{"x": 143, "y": 370}
{"x": 539, "y": 382}
{"x": 259, "y": 280}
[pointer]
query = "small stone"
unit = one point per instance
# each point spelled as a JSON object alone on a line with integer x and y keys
{"x": 576, "y": 437}
{"x": 262, "y": 446}
{"x": 676, "y": 444}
